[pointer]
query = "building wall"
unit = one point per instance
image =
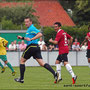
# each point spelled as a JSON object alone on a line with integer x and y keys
{"x": 75, "y": 58}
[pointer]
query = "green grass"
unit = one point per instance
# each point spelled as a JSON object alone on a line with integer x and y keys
{"x": 38, "y": 78}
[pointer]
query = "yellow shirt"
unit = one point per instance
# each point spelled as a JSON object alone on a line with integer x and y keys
{"x": 3, "y": 44}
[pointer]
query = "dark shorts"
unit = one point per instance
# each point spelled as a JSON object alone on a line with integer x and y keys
{"x": 88, "y": 53}
{"x": 63, "y": 57}
{"x": 32, "y": 50}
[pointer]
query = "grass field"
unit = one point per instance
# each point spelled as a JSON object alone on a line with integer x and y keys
{"x": 38, "y": 78}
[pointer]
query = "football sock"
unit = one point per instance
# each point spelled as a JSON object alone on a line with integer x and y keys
{"x": 22, "y": 70}
{"x": 9, "y": 65}
{"x": 49, "y": 68}
{"x": 89, "y": 65}
{"x": 58, "y": 69}
{"x": 1, "y": 65}
{"x": 69, "y": 69}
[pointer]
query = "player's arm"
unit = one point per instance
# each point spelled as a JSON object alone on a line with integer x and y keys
{"x": 53, "y": 41}
{"x": 5, "y": 42}
{"x": 87, "y": 37}
{"x": 83, "y": 41}
{"x": 19, "y": 37}
{"x": 70, "y": 42}
{"x": 30, "y": 39}
{"x": 36, "y": 37}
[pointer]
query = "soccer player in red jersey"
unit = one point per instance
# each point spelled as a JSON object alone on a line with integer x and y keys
{"x": 87, "y": 38}
{"x": 62, "y": 41}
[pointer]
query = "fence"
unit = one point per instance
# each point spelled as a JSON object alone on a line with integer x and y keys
{"x": 74, "y": 58}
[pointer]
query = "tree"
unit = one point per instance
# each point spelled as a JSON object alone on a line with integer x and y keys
{"x": 18, "y": 13}
{"x": 81, "y": 13}
{"x": 67, "y": 4}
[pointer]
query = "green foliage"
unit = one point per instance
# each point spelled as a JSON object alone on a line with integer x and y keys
{"x": 48, "y": 33}
{"x": 37, "y": 26}
{"x": 8, "y": 25}
{"x": 75, "y": 32}
{"x": 81, "y": 14}
{"x": 82, "y": 5}
{"x": 80, "y": 8}
{"x": 67, "y": 4}
{"x": 18, "y": 13}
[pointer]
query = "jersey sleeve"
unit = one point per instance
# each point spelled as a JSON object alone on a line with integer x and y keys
{"x": 68, "y": 36}
{"x": 88, "y": 34}
{"x": 5, "y": 42}
{"x": 35, "y": 30}
{"x": 58, "y": 37}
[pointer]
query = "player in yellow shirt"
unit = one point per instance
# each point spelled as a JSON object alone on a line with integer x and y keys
{"x": 3, "y": 57}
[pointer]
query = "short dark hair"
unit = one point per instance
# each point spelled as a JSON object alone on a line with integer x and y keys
{"x": 58, "y": 23}
{"x": 28, "y": 18}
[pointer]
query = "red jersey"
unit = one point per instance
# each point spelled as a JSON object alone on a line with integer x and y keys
{"x": 88, "y": 34}
{"x": 62, "y": 38}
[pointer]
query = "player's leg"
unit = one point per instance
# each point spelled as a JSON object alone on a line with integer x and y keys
{"x": 3, "y": 68}
{"x": 10, "y": 66}
{"x": 4, "y": 58}
{"x": 58, "y": 66}
{"x": 22, "y": 67}
{"x": 38, "y": 57}
{"x": 46, "y": 65}
{"x": 89, "y": 62}
{"x": 69, "y": 68}
{"x": 1, "y": 65}
{"x": 22, "y": 70}
{"x": 26, "y": 55}
{"x": 58, "y": 69}
{"x": 88, "y": 57}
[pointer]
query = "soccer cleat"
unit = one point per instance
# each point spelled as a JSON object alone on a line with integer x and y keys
{"x": 56, "y": 77}
{"x": 13, "y": 73}
{"x": 19, "y": 80}
{"x": 74, "y": 79}
{"x": 3, "y": 70}
{"x": 59, "y": 80}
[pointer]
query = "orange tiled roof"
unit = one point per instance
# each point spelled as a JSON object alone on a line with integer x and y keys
{"x": 49, "y": 11}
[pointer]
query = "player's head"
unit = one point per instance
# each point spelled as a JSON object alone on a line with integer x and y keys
{"x": 27, "y": 21}
{"x": 76, "y": 39}
{"x": 41, "y": 39}
{"x": 57, "y": 26}
{"x": 89, "y": 28}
